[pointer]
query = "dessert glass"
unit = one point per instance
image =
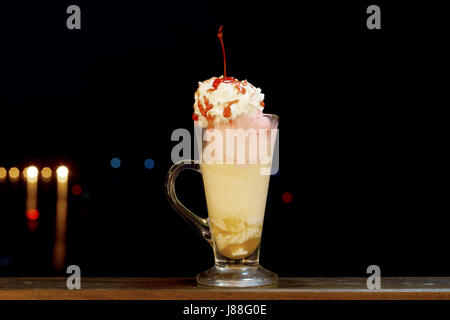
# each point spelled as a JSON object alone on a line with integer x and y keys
{"x": 236, "y": 193}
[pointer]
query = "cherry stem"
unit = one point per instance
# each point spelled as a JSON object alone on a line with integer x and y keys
{"x": 220, "y": 36}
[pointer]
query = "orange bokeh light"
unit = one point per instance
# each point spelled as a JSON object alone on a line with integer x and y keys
{"x": 14, "y": 173}
{"x": 32, "y": 173}
{"x": 62, "y": 173}
{"x": 3, "y": 173}
{"x": 46, "y": 173}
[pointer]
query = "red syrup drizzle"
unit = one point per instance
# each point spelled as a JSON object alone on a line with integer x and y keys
{"x": 227, "y": 110}
{"x": 216, "y": 83}
{"x": 226, "y": 79}
{"x": 237, "y": 84}
{"x": 204, "y": 108}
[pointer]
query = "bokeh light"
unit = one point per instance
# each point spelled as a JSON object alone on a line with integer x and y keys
{"x": 86, "y": 196}
{"x": 77, "y": 190}
{"x": 46, "y": 173}
{"x": 62, "y": 172}
{"x": 149, "y": 164}
{"x": 287, "y": 197}
{"x": 115, "y": 163}
{"x": 32, "y": 214}
{"x": 14, "y": 173}
{"x": 32, "y": 172}
{"x": 3, "y": 173}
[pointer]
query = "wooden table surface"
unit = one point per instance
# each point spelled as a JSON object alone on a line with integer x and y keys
{"x": 186, "y": 289}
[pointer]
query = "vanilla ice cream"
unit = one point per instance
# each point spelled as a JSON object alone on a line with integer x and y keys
{"x": 236, "y": 199}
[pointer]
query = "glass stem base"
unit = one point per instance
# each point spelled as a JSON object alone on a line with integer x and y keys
{"x": 239, "y": 276}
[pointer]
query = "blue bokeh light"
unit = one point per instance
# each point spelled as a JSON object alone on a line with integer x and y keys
{"x": 149, "y": 164}
{"x": 115, "y": 163}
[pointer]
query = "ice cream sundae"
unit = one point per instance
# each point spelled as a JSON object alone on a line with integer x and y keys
{"x": 235, "y": 191}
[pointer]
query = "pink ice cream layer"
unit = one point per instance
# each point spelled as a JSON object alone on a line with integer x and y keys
{"x": 247, "y": 121}
{"x": 261, "y": 126}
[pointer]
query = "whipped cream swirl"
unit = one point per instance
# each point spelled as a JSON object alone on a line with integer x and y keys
{"x": 222, "y": 100}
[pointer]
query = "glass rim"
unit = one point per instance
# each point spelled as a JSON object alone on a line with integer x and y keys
{"x": 271, "y": 115}
{"x": 268, "y": 115}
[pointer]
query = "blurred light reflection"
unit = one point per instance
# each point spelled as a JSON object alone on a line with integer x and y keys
{"x": 149, "y": 164}
{"x": 14, "y": 174}
{"x": 3, "y": 174}
{"x": 115, "y": 163}
{"x": 77, "y": 190}
{"x": 32, "y": 191}
{"x": 31, "y": 173}
{"x": 62, "y": 172}
{"x": 32, "y": 214}
{"x": 59, "y": 250}
{"x": 46, "y": 173}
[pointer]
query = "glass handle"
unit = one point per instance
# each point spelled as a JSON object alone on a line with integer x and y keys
{"x": 198, "y": 223}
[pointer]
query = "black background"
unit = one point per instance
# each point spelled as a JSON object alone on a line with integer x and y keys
{"x": 362, "y": 140}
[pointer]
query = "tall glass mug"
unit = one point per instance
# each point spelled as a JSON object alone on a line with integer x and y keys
{"x": 235, "y": 162}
